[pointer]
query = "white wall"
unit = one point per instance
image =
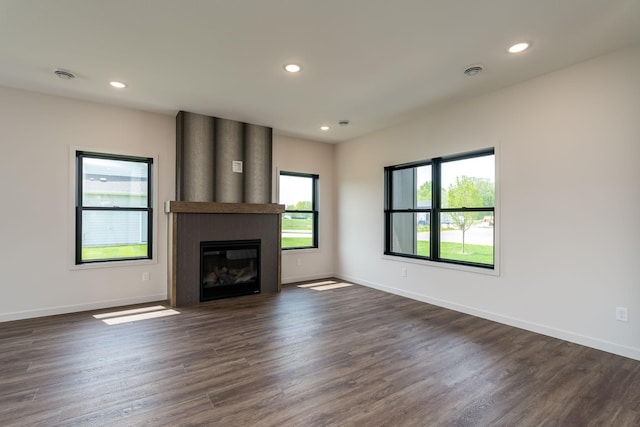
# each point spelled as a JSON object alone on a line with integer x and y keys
{"x": 568, "y": 148}
{"x": 299, "y": 155}
{"x": 37, "y": 133}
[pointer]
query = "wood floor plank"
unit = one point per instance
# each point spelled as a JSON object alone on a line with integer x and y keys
{"x": 348, "y": 356}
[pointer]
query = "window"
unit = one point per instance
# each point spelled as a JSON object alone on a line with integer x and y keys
{"x": 299, "y": 194}
{"x": 113, "y": 208}
{"x": 442, "y": 209}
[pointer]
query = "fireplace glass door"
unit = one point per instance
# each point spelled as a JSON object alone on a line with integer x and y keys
{"x": 229, "y": 268}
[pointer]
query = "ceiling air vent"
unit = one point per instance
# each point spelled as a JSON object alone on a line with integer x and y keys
{"x": 64, "y": 74}
{"x": 473, "y": 70}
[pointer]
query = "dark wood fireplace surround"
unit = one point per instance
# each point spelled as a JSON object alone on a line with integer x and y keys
{"x": 193, "y": 222}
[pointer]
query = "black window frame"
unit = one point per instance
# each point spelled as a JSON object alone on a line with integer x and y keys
{"x": 434, "y": 211}
{"x": 80, "y": 155}
{"x": 314, "y": 208}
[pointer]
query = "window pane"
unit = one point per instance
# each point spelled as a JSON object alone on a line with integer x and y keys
{"x": 423, "y": 187}
{"x": 410, "y": 233}
{"x": 297, "y": 230}
{"x": 412, "y": 188}
{"x": 114, "y": 183}
{"x": 296, "y": 192}
{"x": 114, "y": 234}
{"x": 469, "y": 183}
{"x": 467, "y": 236}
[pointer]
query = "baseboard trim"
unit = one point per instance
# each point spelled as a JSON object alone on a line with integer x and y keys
{"x": 65, "y": 309}
{"x": 294, "y": 279}
{"x": 610, "y": 347}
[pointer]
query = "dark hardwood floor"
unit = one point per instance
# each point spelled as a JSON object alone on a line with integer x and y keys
{"x": 349, "y": 356}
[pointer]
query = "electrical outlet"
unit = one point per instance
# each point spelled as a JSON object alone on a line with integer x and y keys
{"x": 621, "y": 314}
{"x": 299, "y": 261}
{"x": 403, "y": 272}
{"x": 145, "y": 276}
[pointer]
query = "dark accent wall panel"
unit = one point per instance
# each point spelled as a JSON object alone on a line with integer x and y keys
{"x": 206, "y": 148}
{"x": 229, "y": 148}
{"x": 195, "y": 157}
{"x": 257, "y": 164}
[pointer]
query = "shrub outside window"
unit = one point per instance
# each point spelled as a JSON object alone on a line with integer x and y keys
{"x": 299, "y": 193}
{"x": 442, "y": 209}
{"x": 113, "y": 208}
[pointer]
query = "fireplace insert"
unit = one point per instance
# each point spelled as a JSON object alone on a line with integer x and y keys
{"x": 229, "y": 268}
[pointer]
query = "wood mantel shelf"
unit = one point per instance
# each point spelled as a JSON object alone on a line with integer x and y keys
{"x": 217, "y": 207}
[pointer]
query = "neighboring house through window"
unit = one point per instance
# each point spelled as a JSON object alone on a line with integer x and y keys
{"x": 442, "y": 209}
{"x": 113, "y": 207}
{"x": 299, "y": 193}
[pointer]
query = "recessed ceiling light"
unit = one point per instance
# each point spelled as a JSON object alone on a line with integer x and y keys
{"x": 118, "y": 85}
{"x": 292, "y": 68}
{"x": 325, "y": 128}
{"x": 519, "y": 47}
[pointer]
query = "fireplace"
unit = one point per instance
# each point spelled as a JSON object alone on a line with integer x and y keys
{"x": 229, "y": 268}
{"x": 194, "y": 222}
{"x": 223, "y": 191}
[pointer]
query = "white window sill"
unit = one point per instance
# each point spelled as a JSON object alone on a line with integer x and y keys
{"x": 468, "y": 268}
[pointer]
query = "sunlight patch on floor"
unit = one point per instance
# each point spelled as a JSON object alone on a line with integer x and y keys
{"x": 127, "y": 312}
{"x": 133, "y": 315}
{"x": 334, "y": 286}
{"x": 325, "y": 285}
{"x": 311, "y": 285}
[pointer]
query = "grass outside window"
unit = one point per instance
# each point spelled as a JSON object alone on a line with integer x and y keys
{"x": 479, "y": 254}
{"x": 114, "y": 252}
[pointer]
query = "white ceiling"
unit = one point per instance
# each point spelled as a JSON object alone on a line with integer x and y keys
{"x": 373, "y": 62}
